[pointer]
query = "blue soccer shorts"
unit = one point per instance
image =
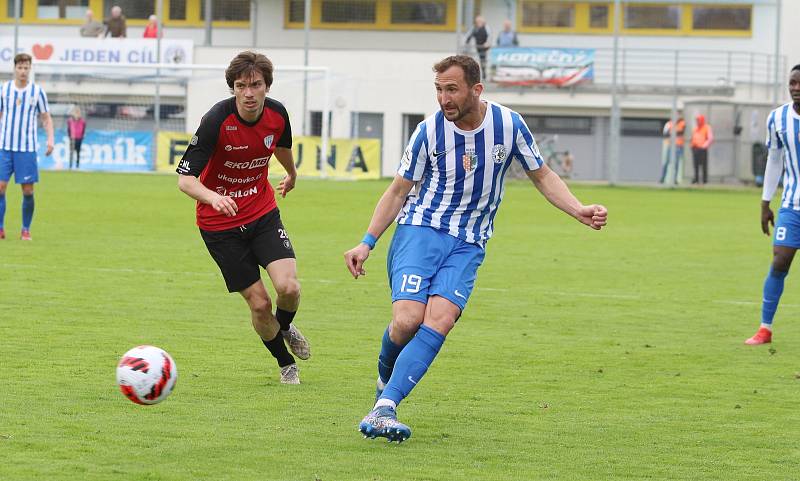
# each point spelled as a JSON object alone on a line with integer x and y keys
{"x": 22, "y": 164}
{"x": 787, "y": 228}
{"x": 424, "y": 262}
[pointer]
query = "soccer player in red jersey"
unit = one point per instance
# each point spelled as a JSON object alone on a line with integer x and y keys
{"x": 225, "y": 169}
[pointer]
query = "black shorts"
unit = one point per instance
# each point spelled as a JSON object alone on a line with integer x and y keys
{"x": 240, "y": 251}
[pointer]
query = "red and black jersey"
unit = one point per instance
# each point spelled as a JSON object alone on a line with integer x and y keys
{"x": 231, "y": 156}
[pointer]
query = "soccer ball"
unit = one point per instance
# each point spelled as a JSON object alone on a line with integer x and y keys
{"x": 146, "y": 374}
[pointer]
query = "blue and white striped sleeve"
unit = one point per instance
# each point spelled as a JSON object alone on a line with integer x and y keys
{"x": 41, "y": 103}
{"x": 527, "y": 152}
{"x": 415, "y": 156}
{"x": 773, "y": 139}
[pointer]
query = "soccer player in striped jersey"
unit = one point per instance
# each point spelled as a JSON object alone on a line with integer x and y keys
{"x": 783, "y": 142}
{"x": 455, "y": 162}
{"x": 21, "y": 101}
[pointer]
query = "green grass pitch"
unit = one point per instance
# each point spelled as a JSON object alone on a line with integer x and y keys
{"x": 582, "y": 355}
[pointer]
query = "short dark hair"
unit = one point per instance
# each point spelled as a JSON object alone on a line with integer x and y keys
{"x": 246, "y": 64}
{"x": 22, "y": 57}
{"x": 796, "y": 67}
{"x": 471, "y": 69}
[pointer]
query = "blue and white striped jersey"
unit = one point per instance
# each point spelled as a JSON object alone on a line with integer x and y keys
{"x": 460, "y": 175}
{"x": 783, "y": 133}
{"x": 19, "y": 120}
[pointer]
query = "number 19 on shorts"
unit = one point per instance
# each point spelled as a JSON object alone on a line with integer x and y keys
{"x": 411, "y": 283}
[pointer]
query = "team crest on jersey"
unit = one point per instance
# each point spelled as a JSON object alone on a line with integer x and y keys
{"x": 499, "y": 153}
{"x": 470, "y": 160}
{"x": 268, "y": 140}
{"x": 221, "y": 190}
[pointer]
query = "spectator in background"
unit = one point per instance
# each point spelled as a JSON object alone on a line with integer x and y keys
{"x": 151, "y": 30}
{"x": 481, "y": 33}
{"x": 666, "y": 152}
{"x": 115, "y": 24}
{"x": 92, "y": 28}
{"x": 507, "y": 37}
{"x": 76, "y": 128}
{"x": 702, "y": 138}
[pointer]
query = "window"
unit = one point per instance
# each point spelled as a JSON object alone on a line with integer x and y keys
{"x": 348, "y": 11}
{"x": 48, "y": 9}
{"x": 177, "y": 9}
{"x": 652, "y": 16}
{"x": 425, "y": 13}
{"x": 297, "y": 11}
{"x": 548, "y": 14}
{"x": 410, "y": 122}
{"x": 227, "y": 10}
{"x": 598, "y": 16}
{"x": 558, "y": 125}
{"x": 721, "y": 18}
{"x": 642, "y": 127}
{"x": 316, "y": 123}
{"x": 10, "y": 9}
{"x": 131, "y": 9}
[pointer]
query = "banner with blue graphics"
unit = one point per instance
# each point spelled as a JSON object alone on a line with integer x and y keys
{"x": 560, "y": 67}
{"x": 114, "y": 150}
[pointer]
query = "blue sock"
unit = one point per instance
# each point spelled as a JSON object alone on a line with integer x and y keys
{"x": 773, "y": 288}
{"x": 27, "y": 211}
{"x": 2, "y": 209}
{"x": 387, "y": 357}
{"x": 412, "y": 363}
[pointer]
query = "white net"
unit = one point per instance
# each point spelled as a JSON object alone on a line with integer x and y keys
{"x": 140, "y": 118}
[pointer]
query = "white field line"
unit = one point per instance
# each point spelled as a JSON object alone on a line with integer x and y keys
{"x": 130, "y": 270}
{"x": 752, "y": 303}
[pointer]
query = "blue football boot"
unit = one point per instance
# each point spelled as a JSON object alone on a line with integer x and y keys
{"x": 382, "y": 422}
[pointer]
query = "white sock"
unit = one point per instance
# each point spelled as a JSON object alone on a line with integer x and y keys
{"x": 385, "y": 402}
{"x": 381, "y": 384}
{"x": 767, "y": 326}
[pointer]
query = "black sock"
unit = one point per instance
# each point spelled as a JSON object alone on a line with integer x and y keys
{"x": 284, "y": 318}
{"x": 278, "y": 350}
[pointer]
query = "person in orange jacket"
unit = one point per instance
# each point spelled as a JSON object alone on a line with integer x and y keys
{"x": 702, "y": 138}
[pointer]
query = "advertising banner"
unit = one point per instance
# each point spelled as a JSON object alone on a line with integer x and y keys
{"x": 559, "y": 67}
{"x": 346, "y": 159}
{"x": 103, "y": 51}
{"x": 101, "y": 150}
{"x": 171, "y": 146}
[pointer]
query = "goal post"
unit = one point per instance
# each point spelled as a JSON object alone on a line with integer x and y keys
{"x": 140, "y": 117}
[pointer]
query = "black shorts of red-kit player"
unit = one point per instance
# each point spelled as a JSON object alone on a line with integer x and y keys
{"x": 241, "y": 251}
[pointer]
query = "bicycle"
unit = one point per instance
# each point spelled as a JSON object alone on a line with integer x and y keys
{"x": 560, "y": 161}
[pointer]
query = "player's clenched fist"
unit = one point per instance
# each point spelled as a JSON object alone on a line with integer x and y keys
{"x": 595, "y": 216}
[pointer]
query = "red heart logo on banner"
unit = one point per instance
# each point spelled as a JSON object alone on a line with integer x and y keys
{"x": 42, "y": 52}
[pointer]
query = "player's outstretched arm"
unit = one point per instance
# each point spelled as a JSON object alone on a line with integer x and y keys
{"x": 387, "y": 209}
{"x": 557, "y": 193}
{"x": 191, "y": 186}
{"x": 286, "y": 159}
